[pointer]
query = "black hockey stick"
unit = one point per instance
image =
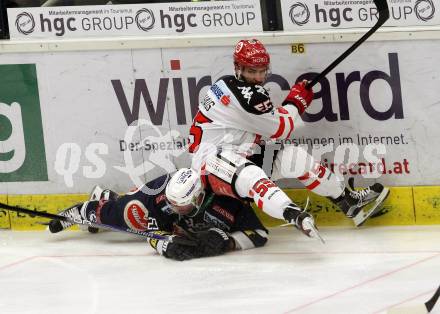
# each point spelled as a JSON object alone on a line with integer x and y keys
{"x": 384, "y": 14}
{"x": 80, "y": 221}
{"x": 431, "y": 302}
{"x": 420, "y": 308}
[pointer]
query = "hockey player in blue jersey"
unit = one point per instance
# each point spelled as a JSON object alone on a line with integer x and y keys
{"x": 178, "y": 206}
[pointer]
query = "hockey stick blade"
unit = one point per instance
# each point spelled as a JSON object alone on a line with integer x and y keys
{"x": 417, "y": 309}
{"x": 146, "y": 234}
{"x": 384, "y": 14}
{"x": 431, "y": 302}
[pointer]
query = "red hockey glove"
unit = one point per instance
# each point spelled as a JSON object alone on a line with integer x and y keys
{"x": 300, "y": 97}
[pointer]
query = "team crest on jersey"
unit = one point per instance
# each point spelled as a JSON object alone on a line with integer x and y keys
{"x": 136, "y": 217}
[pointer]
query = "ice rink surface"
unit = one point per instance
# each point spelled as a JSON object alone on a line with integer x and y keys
{"x": 367, "y": 270}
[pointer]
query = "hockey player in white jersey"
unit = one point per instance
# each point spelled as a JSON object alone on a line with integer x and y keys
{"x": 235, "y": 115}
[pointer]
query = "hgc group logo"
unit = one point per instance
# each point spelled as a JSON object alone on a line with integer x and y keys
{"x": 25, "y": 23}
{"x": 145, "y": 19}
{"x": 424, "y": 10}
{"x": 299, "y": 13}
{"x": 114, "y": 20}
{"x": 350, "y": 14}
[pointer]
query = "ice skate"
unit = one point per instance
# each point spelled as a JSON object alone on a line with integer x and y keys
{"x": 84, "y": 211}
{"x": 302, "y": 220}
{"x": 73, "y": 213}
{"x": 363, "y": 203}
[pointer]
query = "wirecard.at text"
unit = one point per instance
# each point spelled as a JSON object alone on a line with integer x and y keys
{"x": 382, "y": 167}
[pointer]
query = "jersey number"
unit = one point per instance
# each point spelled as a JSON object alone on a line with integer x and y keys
{"x": 152, "y": 224}
{"x": 262, "y": 186}
{"x": 196, "y": 131}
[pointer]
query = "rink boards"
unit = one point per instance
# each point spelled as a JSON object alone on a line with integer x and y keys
{"x": 404, "y": 206}
{"x": 68, "y": 121}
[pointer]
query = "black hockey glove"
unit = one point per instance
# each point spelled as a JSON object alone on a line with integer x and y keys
{"x": 214, "y": 242}
{"x": 180, "y": 252}
{"x": 175, "y": 251}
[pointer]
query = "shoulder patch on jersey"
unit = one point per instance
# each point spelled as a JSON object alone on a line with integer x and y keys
{"x": 220, "y": 94}
{"x": 216, "y": 90}
{"x": 225, "y": 100}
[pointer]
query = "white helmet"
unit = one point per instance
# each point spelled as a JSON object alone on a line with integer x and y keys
{"x": 184, "y": 192}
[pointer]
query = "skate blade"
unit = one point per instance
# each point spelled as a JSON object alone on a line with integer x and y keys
{"x": 287, "y": 224}
{"x": 365, "y": 213}
{"x": 314, "y": 233}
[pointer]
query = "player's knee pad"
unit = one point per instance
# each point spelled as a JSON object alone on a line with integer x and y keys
{"x": 266, "y": 194}
{"x": 247, "y": 178}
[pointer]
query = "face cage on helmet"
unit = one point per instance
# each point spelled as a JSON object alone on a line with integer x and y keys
{"x": 239, "y": 70}
{"x": 196, "y": 204}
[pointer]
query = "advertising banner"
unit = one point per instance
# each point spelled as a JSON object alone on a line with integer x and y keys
{"x": 122, "y": 117}
{"x": 22, "y": 150}
{"x": 344, "y": 14}
{"x": 135, "y": 19}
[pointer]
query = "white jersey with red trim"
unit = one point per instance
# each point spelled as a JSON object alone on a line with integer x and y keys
{"x": 235, "y": 115}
